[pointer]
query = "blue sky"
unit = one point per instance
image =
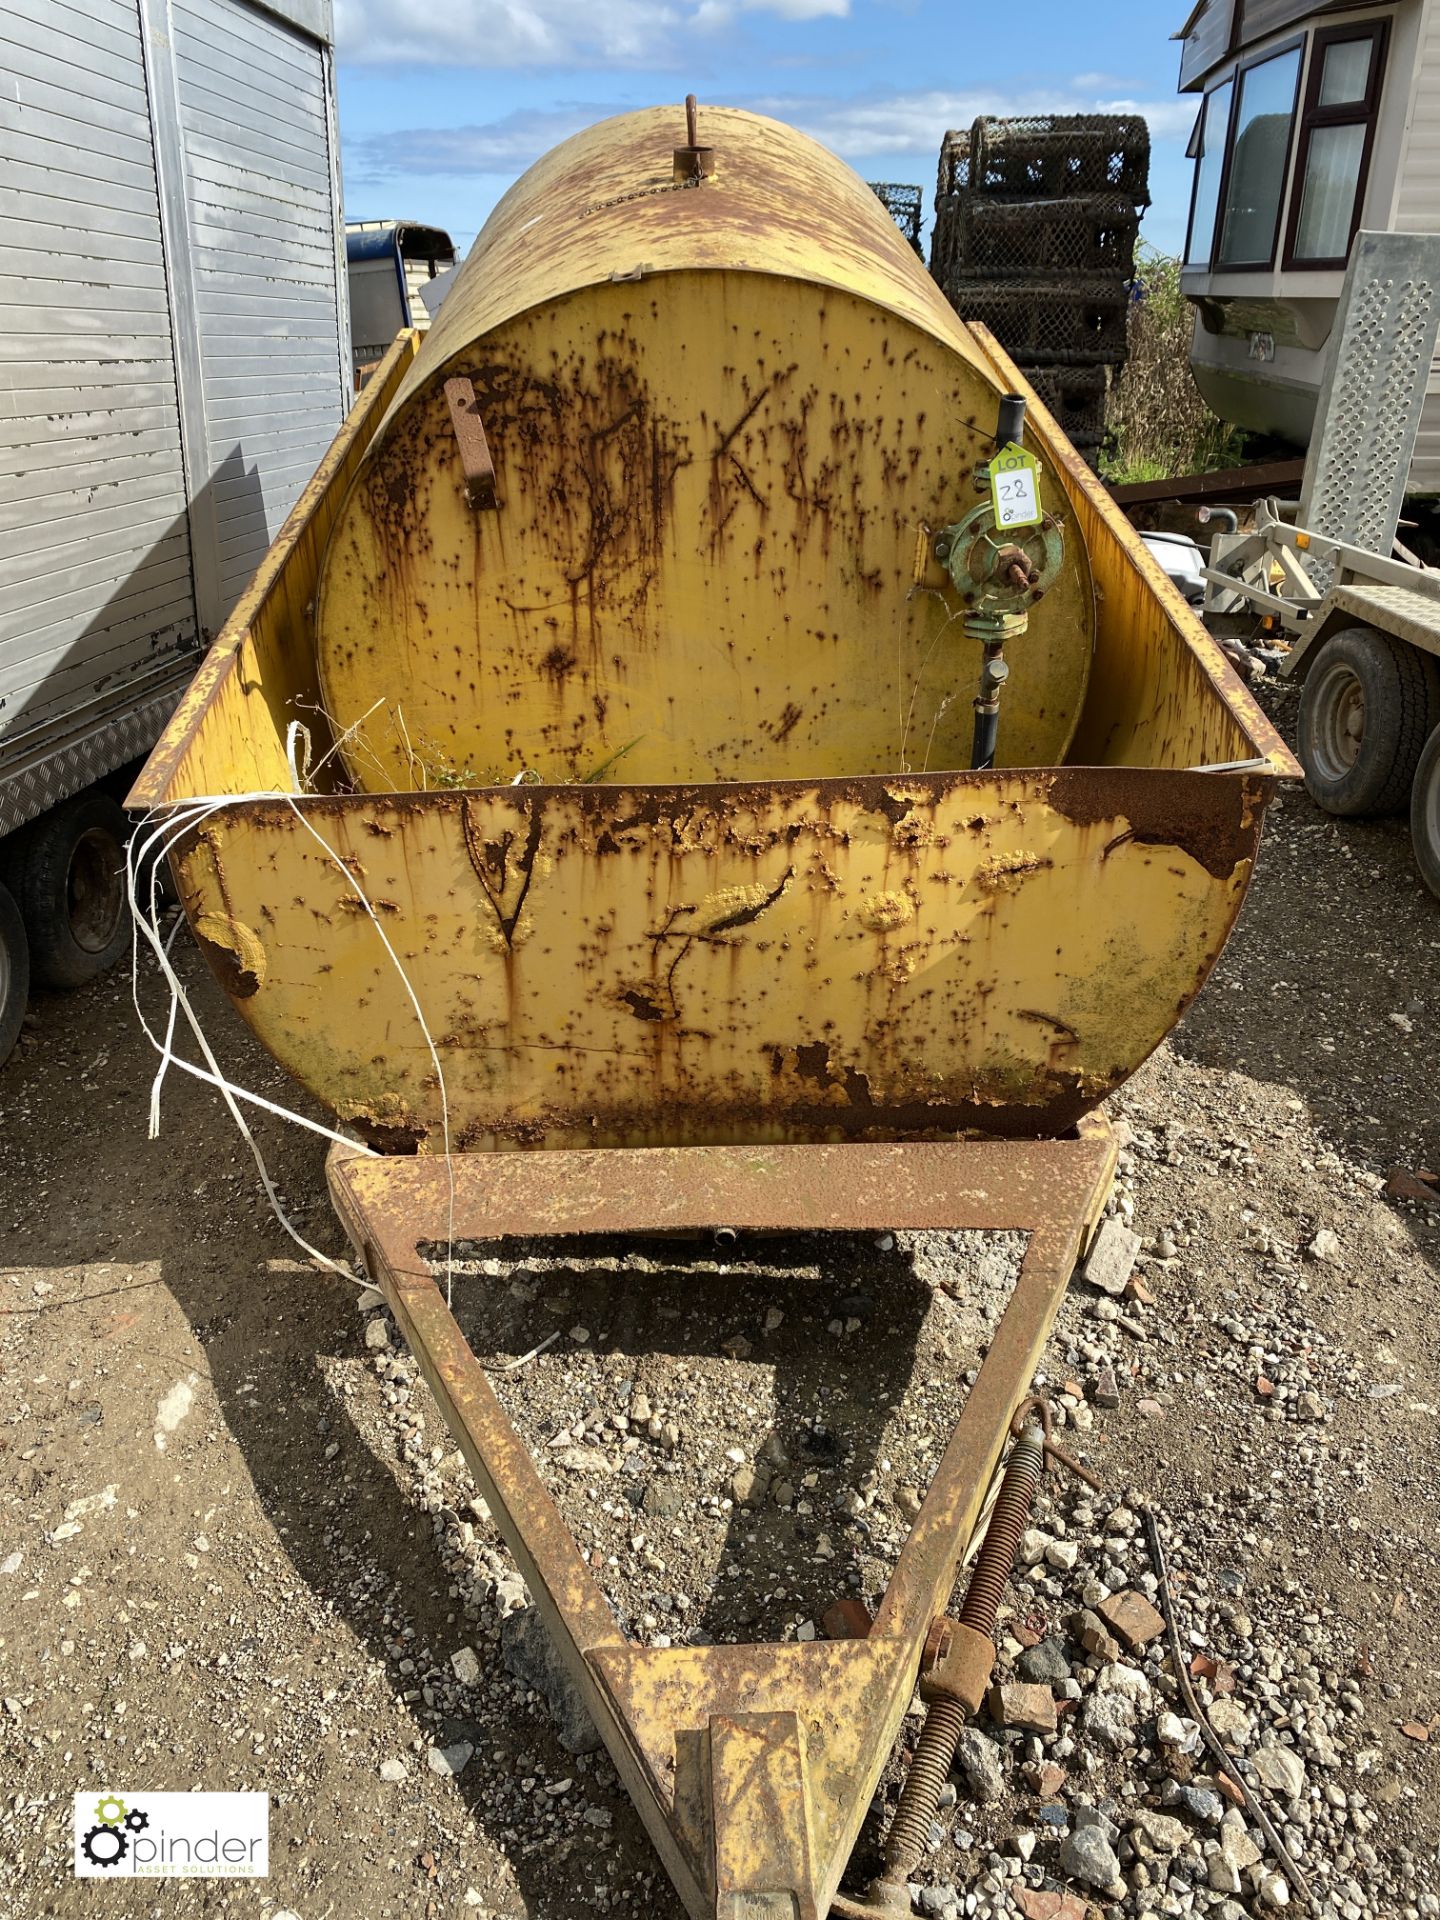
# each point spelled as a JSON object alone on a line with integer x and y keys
{"x": 442, "y": 106}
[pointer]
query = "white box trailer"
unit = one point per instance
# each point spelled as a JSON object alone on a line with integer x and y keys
{"x": 174, "y": 360}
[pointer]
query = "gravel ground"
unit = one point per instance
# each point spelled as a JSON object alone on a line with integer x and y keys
{"x": 239, "y": 1550}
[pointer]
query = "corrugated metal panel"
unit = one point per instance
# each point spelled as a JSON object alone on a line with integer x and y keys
{"x": 1425, "y": 466}
{"x": 1206, "y": 42}
{"x": 167, "y": 563}
{"x": 104, "y": 26}
{"x": 121, "y": 207}
{"x": 113, "y": 92}
{"x": 1260, "y": 17}
{"x": 417, "y": 277}
{"x": 1209, "y": 39}
{"x": 95, "y": 584}
{"x": 255, "y": 128}
{"x": 29, "y": 413}
{"x": 1417, "y": 207}
{"x": 65, "y": 146}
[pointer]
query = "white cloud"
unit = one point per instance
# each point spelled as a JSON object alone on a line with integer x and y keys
{"x": 501, "y": 33}
{"x": 500, "y": 147}
{"x": 864, "y": 127}
{"x": 913, "y": 123}
{"x": 715, "y": 15}
{"x": 542, "y": 33}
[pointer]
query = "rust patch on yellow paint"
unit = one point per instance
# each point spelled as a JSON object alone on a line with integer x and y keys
{"x": 884, "y": 912}
{"x": 353, "y": 903}
{"x": 386, "y": 1124}
{"x": 735, "y": 907}
{"x": 1004, "y": 872}
{"x": 504, "y": 861}
{"x": 235, "y": 951}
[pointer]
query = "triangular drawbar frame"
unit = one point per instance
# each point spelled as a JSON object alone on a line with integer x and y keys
{"x": 751, "y": 1766}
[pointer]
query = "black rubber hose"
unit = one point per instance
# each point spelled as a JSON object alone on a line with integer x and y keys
{"x": 987, "y": 729}
{"x": 1010, "y": 423}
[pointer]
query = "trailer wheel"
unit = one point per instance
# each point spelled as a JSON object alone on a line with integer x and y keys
{"x": 1425, "y": 813}
{"x": 73, "y": 890}
{"x": 14, "y": 972}
{"x": 1369, "y": 705}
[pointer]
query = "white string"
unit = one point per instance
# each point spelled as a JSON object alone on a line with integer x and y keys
{"x": 1232, "y": 766}
{"x": 169, "y": 1058}
{"x": 429, "y": 1044}
{"x": 293, "y": 733}
{"x": 154, "y": 843}
{"x": 510, "y": 1366}
{"x": 341, "y": 739}
{"x": 149, "y": 931}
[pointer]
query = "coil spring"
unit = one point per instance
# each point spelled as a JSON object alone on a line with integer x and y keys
{"x": 996, "y": 1558}
{"x": 945, "y": 1719}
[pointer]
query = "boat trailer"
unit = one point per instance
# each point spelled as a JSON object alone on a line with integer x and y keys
{"x": 753, "y": 1766}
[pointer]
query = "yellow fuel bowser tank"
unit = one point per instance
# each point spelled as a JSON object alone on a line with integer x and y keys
{"x": 645, "y": 606}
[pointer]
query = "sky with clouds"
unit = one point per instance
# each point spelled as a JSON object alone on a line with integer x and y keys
{"x": 442, "y": 106}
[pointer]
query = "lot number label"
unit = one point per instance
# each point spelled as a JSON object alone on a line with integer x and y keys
{"x": 1015, "y": 487}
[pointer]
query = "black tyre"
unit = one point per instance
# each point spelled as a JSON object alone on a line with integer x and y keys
{"x": 14, "y": 972}
{"x": 72, "y": 890}
{"x": 1425, "y": 813}
{"x": 1369, "y": 705}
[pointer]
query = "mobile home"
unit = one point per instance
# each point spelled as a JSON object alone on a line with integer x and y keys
{"x": 1312, "y": 122}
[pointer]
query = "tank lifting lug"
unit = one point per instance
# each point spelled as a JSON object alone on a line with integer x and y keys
{"x": 476, "y": 465}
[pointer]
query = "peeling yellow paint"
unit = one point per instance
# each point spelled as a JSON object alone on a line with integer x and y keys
{"x": 238, "y": 948}
{"x": 1006, "y": 871}
{"x": 883, "y": 912}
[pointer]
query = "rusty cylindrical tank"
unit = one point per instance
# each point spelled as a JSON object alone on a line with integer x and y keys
{"x": 722, "y": 413}
{"x": 653, "y": 705}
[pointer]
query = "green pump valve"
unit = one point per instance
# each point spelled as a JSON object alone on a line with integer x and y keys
{"x": 999, "y": 573}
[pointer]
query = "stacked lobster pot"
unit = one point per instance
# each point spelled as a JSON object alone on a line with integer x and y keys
{"x": 905, "y": 206}
{"x": 1035, "y": 227}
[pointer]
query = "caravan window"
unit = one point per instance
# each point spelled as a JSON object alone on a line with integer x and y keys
{"x": 1344, "y": 68}
{"x": 1337, "y": 129}
{"x": 1259, "y": 155}
{"x": 1241, "y": 149}
{"x": 1207, "y": 149}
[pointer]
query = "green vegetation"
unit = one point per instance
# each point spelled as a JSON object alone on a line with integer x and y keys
{"x": 1157, "y": 422}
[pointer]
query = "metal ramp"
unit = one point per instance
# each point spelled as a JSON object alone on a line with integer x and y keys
{"x": 1410, "y": 612}
{"x": 1368, "y": 414}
